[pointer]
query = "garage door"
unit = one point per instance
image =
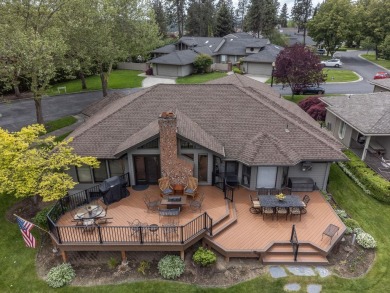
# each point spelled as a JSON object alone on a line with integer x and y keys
{"x": 259, "y": 68}
{"x": 166, "y": 70}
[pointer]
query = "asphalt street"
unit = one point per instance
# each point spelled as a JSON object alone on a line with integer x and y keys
{"x": 15, "y": 115}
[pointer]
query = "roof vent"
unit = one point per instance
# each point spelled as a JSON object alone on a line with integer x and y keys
{"x": 231, "y": 39}
{"x": 206, "y": 42}
{"x": 287, "y": 130}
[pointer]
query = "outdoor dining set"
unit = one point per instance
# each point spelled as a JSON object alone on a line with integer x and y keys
{"x": 279, "y": 202}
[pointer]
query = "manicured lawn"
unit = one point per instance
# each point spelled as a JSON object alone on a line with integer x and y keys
{"x": 340, "y": 75}
{"x": 200, "y": 78}
{"x": 381, "y": 62}
{"x": 298, "y": 98}
{"x": 18, "y": 269}
{"x": 62, "y": 136}
{"x": 60, "y": 123}
{"x": 119, "y": 79}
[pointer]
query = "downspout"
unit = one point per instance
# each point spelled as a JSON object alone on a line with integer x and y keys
{"x": 366, "y": 147}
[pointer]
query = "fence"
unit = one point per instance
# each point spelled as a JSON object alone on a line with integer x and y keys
{"x": 133, "y": 66}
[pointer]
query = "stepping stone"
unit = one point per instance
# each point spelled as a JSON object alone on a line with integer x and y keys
{"x": 301, "y": 271}
{"x": 277, "y": 272}
{"x": 323, "y": 272}
{"x": 314, "y": 288}
{"x": 292, "y": 287}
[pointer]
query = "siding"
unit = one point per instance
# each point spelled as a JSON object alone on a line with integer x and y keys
{"x": 335, "y": 125}
{"x": 319, "y": 173}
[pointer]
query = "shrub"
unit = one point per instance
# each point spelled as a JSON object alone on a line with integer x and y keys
{"x": 204, "y": 257}
{"x": 60, "y": 275}
{"x": 358, "y": 231}
{"x": 348, "y": 231}
{"x": 202, "y": 62}
{"x": 237, "y": 70}
{"x": 366, "y": 240}
{"x": 144, "y": 267}
{"x": 341, "y": 213}
{"x": 317, "y": 112}
{"x": 171, "y": 267}
{"x": 113, "y": 263}
{"x": 40, "y": 218}
{"x": 307, "y": 103}
{"x": 149, "y": 71}
{"x": 351, "y": 223}
{"x": 378, "y": 186}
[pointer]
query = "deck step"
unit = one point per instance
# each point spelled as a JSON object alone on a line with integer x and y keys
{"x": 289, "y": 259}
{"x": 227, "y": 222}
{"x": 286, "y": 248}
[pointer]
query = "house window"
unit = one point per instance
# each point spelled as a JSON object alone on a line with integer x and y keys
{"x": 223, "y": 58}
{"x": 84, "y": 174}
{"x": 117, "y": 167}
{"x": 100, "y": 174}
{"x": 189, "y": 156}
{"x": 188, "y": 145}
{"x": 342, "y": 129}
{"x": 231, "y": 167}
{"x": 246, "y": 175}
{"x": 150, "y": 145}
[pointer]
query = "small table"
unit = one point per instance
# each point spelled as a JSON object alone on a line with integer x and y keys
{"x": 270, "y": 201}
{"x": 178, "y": 189}
{"x": 330, "y": 231}
{"x": 172, "y": 203}
{"x": 153, "y": 228}
{"x": 88, "y": 212}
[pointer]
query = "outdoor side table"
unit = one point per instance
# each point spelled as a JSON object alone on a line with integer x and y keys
{"x": 330, "y": 231}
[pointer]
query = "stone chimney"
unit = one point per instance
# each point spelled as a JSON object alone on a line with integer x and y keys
{"x": 178, "y": 170}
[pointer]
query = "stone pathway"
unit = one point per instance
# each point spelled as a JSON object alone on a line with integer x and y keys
{"x": 303, "y": 271}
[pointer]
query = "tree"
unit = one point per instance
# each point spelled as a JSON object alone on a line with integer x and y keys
{"x": 283, "y": 16}
{"x": 176, "y": 14}
{"x": 261, "y": 17}
{"x": 160, "y": 17}
{"x": 300, "y": 13}
{"x": 34, "y": 166}
{"x": 225, "y": 21}
{"x": 200, "y": 18}
{"x": 241, "y": 11}
{"x": 330, "y": 24}
{"x": 298, "y": 67}
{"x": 202, "y": 62}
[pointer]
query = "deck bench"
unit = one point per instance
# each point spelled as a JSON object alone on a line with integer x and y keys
{"x": 169, "y": 212}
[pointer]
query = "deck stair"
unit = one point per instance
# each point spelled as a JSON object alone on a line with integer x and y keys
{"x": 282, "y": 253}
{"x": 227, "y": 221}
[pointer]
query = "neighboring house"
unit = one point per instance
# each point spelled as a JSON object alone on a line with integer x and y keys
{"x": 229, "y": 49}
{"x": 381, "y": 85}
{"x": 295, "y": 37}
{"x": 233, "y": 125}
{"x": 361, "y": 121}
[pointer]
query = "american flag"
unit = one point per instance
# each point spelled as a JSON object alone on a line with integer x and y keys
{"x": 25, "y": 228}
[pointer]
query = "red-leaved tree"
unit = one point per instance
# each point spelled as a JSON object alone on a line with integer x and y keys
{"x": 308, "y": 102}
{"x": 298, "y": 67}
{"x": 314, "y": 107}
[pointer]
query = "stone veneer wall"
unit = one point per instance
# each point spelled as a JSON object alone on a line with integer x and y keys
{"x": 176, "y": 169}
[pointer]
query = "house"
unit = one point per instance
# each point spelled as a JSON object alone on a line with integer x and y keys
{"x": 361, "y": 122}
{"x": 381, "y": 85}
{"x": 231, "y": 126}
{"x": 175, "y": 59}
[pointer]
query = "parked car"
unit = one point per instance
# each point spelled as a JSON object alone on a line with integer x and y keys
{"x": 381, "y": 75}
{"x": 321, "y": 51}
{"x": 332, "y": 63}
{"x": 309, "y": 90}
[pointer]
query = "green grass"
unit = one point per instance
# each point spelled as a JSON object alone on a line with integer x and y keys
{"x": 119, "y": 79}
{"x": 62, "y": 137}
{"x": 18, "y": 272}
{"x": 335, "y": 75}
{"x": 382, "y": 62}
{"x": 59, "y": 123}
{"x": 200, "y": 78}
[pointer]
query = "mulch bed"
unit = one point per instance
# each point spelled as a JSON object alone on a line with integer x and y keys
{"x": 9, "y": 98}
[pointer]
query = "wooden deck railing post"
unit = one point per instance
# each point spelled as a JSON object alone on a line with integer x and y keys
{"x": 100, "y": 234}
{"x": 58, "y": 233}
{"x": 211, "y": 226}
{"x": 182, "y": 234}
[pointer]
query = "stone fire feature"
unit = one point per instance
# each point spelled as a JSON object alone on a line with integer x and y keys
{"x": 178, "y": 170}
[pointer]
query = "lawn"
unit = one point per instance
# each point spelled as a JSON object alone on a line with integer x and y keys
{"x": 381, "y": 62}
{"x": 59, "y": 123}
{"x": 18, "y": 269}
{"x": 200, "y": 78}
{"x": 119, "y": 79}
{"x": 335, "y": 75}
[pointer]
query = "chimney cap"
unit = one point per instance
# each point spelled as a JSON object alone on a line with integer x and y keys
{"x": 167, "y": 114}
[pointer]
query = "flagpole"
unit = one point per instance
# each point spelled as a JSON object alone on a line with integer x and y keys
{"x": 33, "y": 224}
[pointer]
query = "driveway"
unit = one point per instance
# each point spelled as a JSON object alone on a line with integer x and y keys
{"x": 151, "y": 80}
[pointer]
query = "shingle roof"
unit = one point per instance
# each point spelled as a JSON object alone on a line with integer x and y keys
{"x": 243, "y": 117}
{"x": 385, "y": 83}
{"x": 165, "y": 49}
{"x": 210, "y": 42}
{"x": 176, "y": 58}
{"x": 268, "y": 54}
{"x": 368, "y": 113}
{"x": 100, "y": 104}
{"x": 237, "y": 46}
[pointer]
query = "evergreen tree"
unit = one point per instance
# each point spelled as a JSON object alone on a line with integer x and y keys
{"x": 224, "y": 21}
{"x": 159, "y": 13}
{"x": 261, "y": 17}
{"x": 300, "y": 13}
{"x": 283, "y": 16}
{"x": 200, "y": 18}
{"x": 176, "y": 14}
{"x": 241, "y": 12}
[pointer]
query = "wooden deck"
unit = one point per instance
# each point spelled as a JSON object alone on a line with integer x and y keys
{"x": 236, "y": 232}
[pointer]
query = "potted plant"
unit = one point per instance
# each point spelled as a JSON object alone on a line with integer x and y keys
{"x": 280, "y": 196}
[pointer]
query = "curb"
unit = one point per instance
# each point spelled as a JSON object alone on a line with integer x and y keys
{"x": 380, "y": 66}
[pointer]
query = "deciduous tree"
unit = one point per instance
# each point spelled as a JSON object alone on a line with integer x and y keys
{"x": 34, "y": 166}
{"x": 202, "y": 62}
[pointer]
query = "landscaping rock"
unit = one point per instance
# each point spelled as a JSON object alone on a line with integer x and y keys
{"x": 220, "y": 266}
{"x": 301, "y": 270}
{"x": 348, "y": 249}
{"x": 314, "y": 288}
{"x": 292, "y": 287}
{"x": 277, "y": 272}
{"x": 323, "y": 272}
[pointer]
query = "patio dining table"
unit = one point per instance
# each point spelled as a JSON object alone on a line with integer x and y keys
{"x": 270, "y": 201}
{"x": 89, "y": 212}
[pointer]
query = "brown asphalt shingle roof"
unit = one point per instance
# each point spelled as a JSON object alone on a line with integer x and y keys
{"x": 244, "y": 118}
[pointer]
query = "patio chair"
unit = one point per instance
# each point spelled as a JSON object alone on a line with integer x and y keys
{"x": 286, "y": 190}
{"x": 89, "y": 225}
{"x": 134, "y": 227}
{"x": 165, "y": 186}
{"x": 385, "y": 166}
{"x": 256, "y": 207}
{"x": 262, "y": 191}
{"x": 306, "y": 200}
{"x": 191, "y": 188}
{"x": 268, "y": 211}
{"x": 294, "y": 211}
{"x": 281, "y": 211}
{"x": 196, "y": 204}
{"x": 151, "y": 204}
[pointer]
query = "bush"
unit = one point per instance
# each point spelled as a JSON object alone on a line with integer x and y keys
{"x": 237, "y": 70}
{"x": 366, "y": 240}
{"x": 40, "y": 218}
{"x": 149, "y": 71}
{"x": 348, "y": 231}
{"x": 171, "y": 267}
{"x": 60, "y": 275}
{"x": 204, "y": 257}
{"x": 351, "y": 223}
{"x": 202, "y": 62}
{"x": 113, "y": 263}
{"x": 317, "y": 112}
{"x": 307, "y": 103}
{"x": 341, "y": 213}
{"x": 358, "y": 231}
{"x": 376, "y": 184}
{"x": 144, "y": 267}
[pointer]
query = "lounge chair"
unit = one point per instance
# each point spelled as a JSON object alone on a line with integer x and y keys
{"x": 165, "y": 186}
{"x": 191, "y": 188}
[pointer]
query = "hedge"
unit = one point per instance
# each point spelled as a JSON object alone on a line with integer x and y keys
{"x": 379, "y": 187}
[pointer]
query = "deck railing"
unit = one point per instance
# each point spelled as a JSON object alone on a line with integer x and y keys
{"x": 119, "y": 234}
{"x": 294, "y": 242}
